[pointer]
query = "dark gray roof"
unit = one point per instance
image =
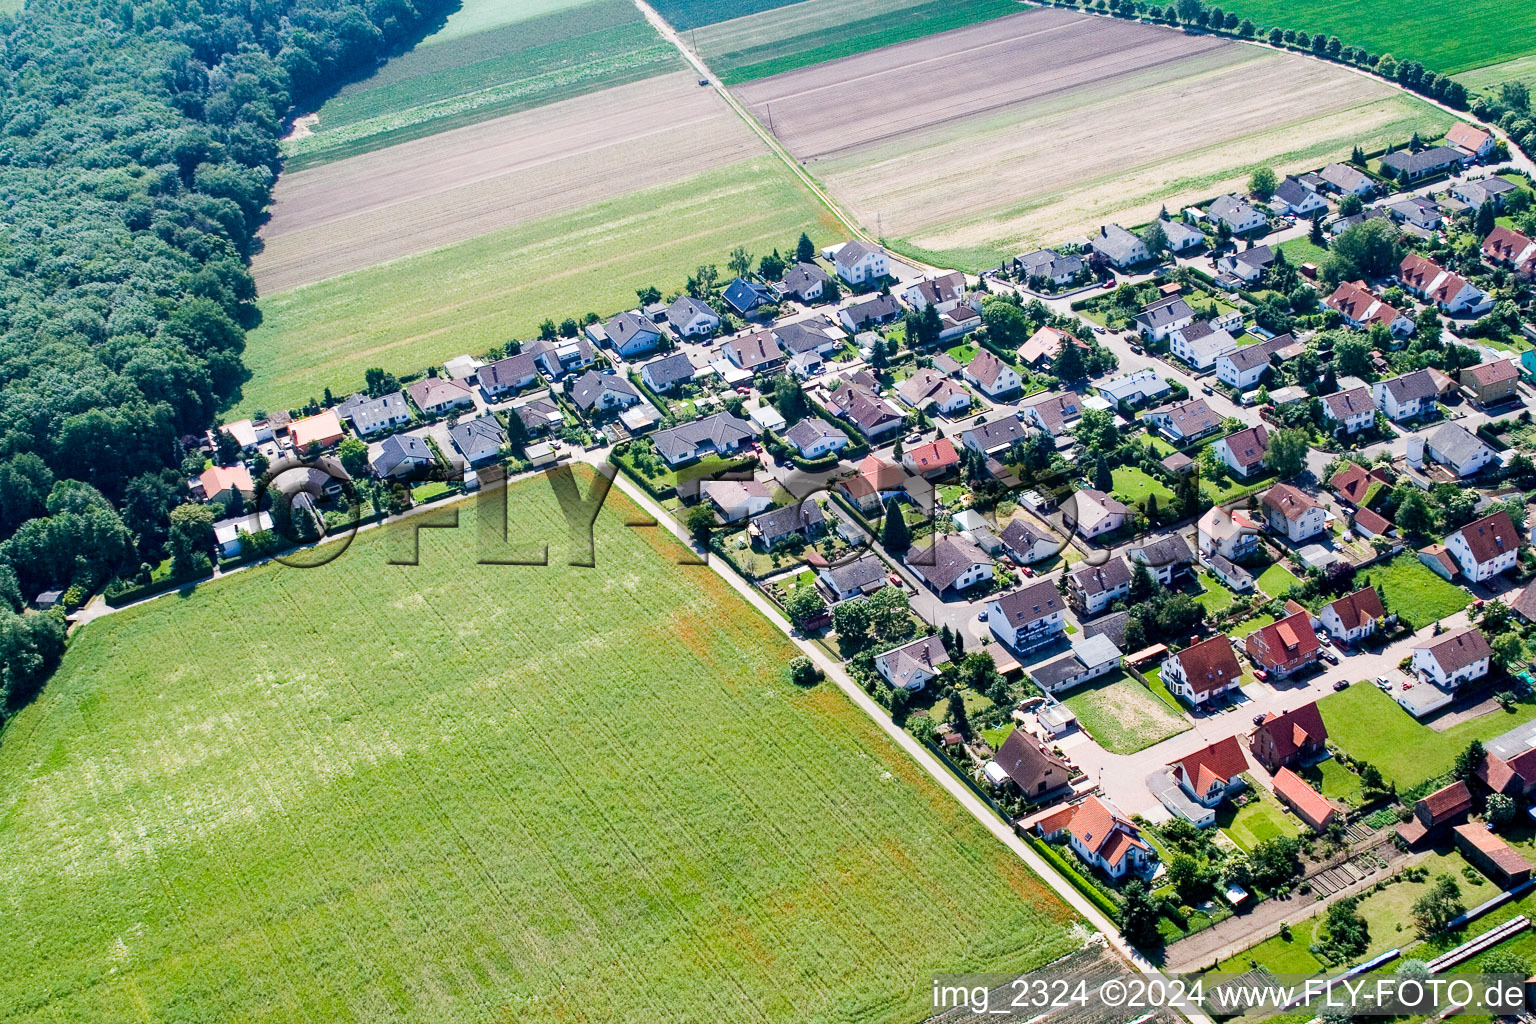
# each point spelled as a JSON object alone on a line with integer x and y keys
{"x": 1292, "y": 192}
{"x": 1455, "y": 442}
{"x": 668, "y": 370}
{"x": 1029, "y": 604}
{"x": 400, "y": 448}
{"x": 1020, "y": 535}
{"x": 722, "y": 430}
{"x": 1345, "y": 177}
{"x": 1111, "y": 625}
{"x": 857, "y": 575}
{"x": 1171, "y": 549}
{"x": 684, "y": 309}
{"x": 781, "y": 522}
{"x": 508, "y": 372}
{"x": 478, "y": 439}
{"x": 744, "y": 296}
{"x": 903, "y": 662}
{"x": 626, "y": 327}
{"x": 1411, "y": 386}
{"x": 1165, "y": 311}
{"x": 1422, "y": 162}
{"x": 1230, "y": 208}
{"x": 1003, "y": 432}
{"x": 1249, "y": 356}
{"x": 1098, "y": 579}
{"x": 1048, "y": 263}
{"x": 951, "y": 558}
{"x": 1227, "y": 569}
{"x": 810, "y": 430}
{"x": 368, "y": 414}
{"x": 1117, "y": 243}
{"x": 591, "y": 385}
{"x": 800, "y": 337}
{"x": 879, "y": 307}
{"x": 1259, "y": 257}
{"x": 802, "y": 277}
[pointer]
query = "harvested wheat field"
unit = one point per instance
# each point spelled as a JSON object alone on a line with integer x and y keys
{"x": 432, "y": 192}
{"x": 965, "y": 147}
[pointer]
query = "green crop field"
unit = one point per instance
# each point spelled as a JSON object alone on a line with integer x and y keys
{"x": 464, "y": 792}
{"x": 819, "y": 42}
{"x": 487, "y": 74}
{"x": 474, "y": 295}
{"x": 1488, "y": 79}
{"x": 1447, "y": 36}
{"x": 691, "y": 14}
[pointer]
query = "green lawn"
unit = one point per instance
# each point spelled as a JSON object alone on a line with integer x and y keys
{"x": 1430, "y": 32}
{"x": 473, "y": 77}
{"x": 474, "y": 295}
{"x": 455, "y": 791}
{"x": 1416, "y": 594}
{"x": 1133, "y": 485}
{"x": 1366, "y": 723}
{"x": 1257, "y": 821}
{"x": 1247, "y": 626}
{"x": 1162, "y": 449}
{"x": 1122, "y": 716}
{"x": 1333, "y": 780}
{"x": 1223, "y": 489}
{"x": 1301, "y": 250}
{"x": 964, "y": 352}
{"x": 1276, "y": 581}
{"x": 1214, "y": 598}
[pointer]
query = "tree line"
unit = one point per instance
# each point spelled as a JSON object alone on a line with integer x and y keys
{"x": 139, "y": 147}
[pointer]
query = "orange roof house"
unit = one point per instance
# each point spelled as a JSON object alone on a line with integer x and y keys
{"x": 220, "y": 482}
{"x": 1208, "y": 773}
{"x": 1285, "y": 647}
{"x": 1492, "y": 855}
{"x": 932, "y": 459}
{"x": 874, "y": 480}
{"x": 323, "y": 429}
{"x": 1289, "y": 739}
{"x": 1107, "y": 840}
{"x": 1310, "y": 805}
{"x": 1438, "y": 811}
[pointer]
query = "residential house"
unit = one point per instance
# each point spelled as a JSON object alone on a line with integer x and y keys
{"x": 248, "y": 435}
{"x": 1248, "y": 265}
{"x": 993, "y": 376}
{"x": 1134, "y": 388}
{"x": 1507, "y": 247}
{"x": 320, "y": 430}
{"x": 1452, "y": 658}
{"x": 1202, "y": 671}
{"x": 1167, "y": 557}
{"x": 1094, "y": 513}
{"x": 950, "y": 564}
{"x": 629, "y": 333}
{"x": 1405, "y": 397}
{"x": 1436, "y": 813}
{"x": 1470, "y": 139}
{"x": 814, "y": 437}
{"x": 1238, "y": 215}
{"x": 1158, "y": 319}
{"x": 803, "y": 282}
{"x": 859, "y": 578}
{"x": 1294, "y": 198}
{"x": 1359, "y": 308}
{"x": 995, "y": 437}
{"x": 1089, "y": 659}
{"x": 1416, "y": 211}
{"x": 1290, "y": 739}
{"x": 1307, "y": 803}
{"x": 870, "y": 414}
{"x": 1292, "y": 512}
{"x": 1055, "y": 414}
{"x": 539, "y": 415}
{"x": 814, "y": 335}
{"x": 1485, "y": 547}
{"x": 220, "y": 484}
{"x": 1491, "y": 855}
{"x": 1243, "y": 368}
{"x": 1029, "y": 617}
{"x": 1186, "y": 422}
{"x": 1104, "y": 839}
{"x": 511, "y": 374}
{"x": 806, "y": 365}
{"x": 1286, "y": 647}
{"x": 226, "y": 537}
{"x": 1422, "y": 164}
{"x": 744, "y": 296}
{"x": 941, "y": 291}
{"x": 861, "y": 263}
{"x": 877, "y": 309}
{"x": 403, "y": 456}
{"x": 1200, "y": 345}
{"x": 1371, "y": 525}
{"x": 690, "y": 318}
{"x": 371, "y": 415}
{"x": 1047, "y": 266}
{"x": 1456, "y": 447}
{"x": 1233, "y": 535}
{"x": 1181, "y": 237}
{"x": 1027, "y": 543}
{"x": 1354, "y": 485}
{"x": 1449, "y": 292}
{"x": 1093, "y": 588}
{"x": 1044, "y": 346}
{"x": 721, "y": 434}
{"x": 478, "y": 440}
{"x": 1514, "y": 776}
{"x": 875, "y": 482}
{"x": 1439, "y": 561}
{"x": 1034, "y": 770}
{"x": 558, "y": 358}
{"x": 1353, "y": 618}
{"x": 1211, "y": 774}
{"x": 932, "y": 460}
{"x": 912, "y": 665}
{"x": 1484, "y": 190}
{"x": 664, "y": 374}
{"x": 927, "y": 388}
{"x": 754, "y": 351}
{"x": 1119, "y": 247}
{"x": 1243, "y": 452}
{"x": 435, "y": 396}
{"x": 1345, "y": 179}
{"x": 1491, "y": 383}
{"x": 1350, "y": 411}
{"x": 802, "y": 518}
{"x": 594, "y": 391}
{"x": 736, "y": 499}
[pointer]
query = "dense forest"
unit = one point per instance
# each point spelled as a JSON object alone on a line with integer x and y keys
{"x": 138, "y": 147}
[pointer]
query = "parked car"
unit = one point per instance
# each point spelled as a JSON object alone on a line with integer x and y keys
{"x": 914, "y": 439}
{"x": 1329, "y": 657}
{"x": 1340, "y": 684}
{"x": 1259, "y": 719}
{"x": 1026, "y": 570}
{"x": 1384, "y": 684}
{"x": 1207, "y": 389}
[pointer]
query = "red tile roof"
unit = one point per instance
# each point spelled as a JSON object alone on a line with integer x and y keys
{"x": 1284, "y": 644}
{"x": 938, "y": 454}
{"x": 1291, "y": 731}
{"x": 1500, "y": 853}
{"x": 1096, "y": 827}
{"x": 1313, "y": 807}
{"x": 1359, "y": 608}
{"x": 1290, "y": 502}
{"x": 1219, "y": 762}
{"x": 1369, "y": 521}
{"x": 1466, "y": 136}
{"x": 1447, "y": 802}
{"x": 1491, "y": 536}
{"x": 1496, "y": 372}
{"x": 1505, "y": 244}
{"x": 1210, "y": 664}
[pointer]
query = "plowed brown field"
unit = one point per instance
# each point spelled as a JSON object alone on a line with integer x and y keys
{"x": 455, "y": 185}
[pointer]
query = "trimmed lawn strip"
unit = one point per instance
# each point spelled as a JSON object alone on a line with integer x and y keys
{"x": 1276, "y": 581}
{"x": 1260, "y": 819}
{"x": 1247, "y": 626}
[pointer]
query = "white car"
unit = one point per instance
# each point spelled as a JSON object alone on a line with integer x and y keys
{"x": 914, "y": 439}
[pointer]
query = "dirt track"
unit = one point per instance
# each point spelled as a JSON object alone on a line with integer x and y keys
{"x": 455, "y": 185}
